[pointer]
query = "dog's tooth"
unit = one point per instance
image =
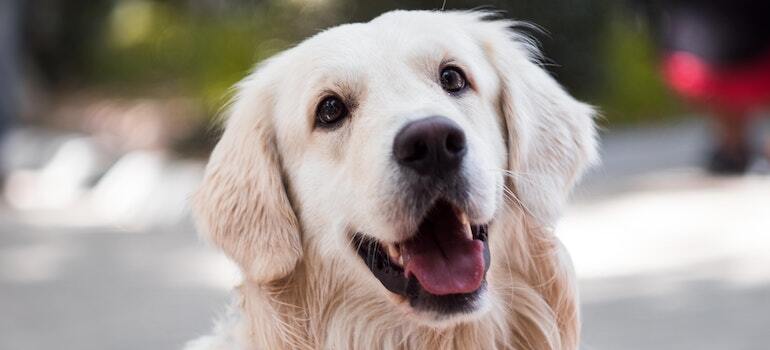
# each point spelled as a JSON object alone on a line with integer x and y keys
{"x": 468, "y": 231}
{"x": 466, "y": 225}
{"x": 393, "y": 252}
{"x": 461, "y": 215}
{"x": 463, "y": 218}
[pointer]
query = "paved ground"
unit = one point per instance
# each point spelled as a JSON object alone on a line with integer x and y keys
{"x": 96, "y": 288}
{"x": 668, "y": 259}
{"x": 684, "y": 267}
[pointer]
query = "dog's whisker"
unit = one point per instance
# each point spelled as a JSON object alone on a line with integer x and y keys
{"x": 509, "y": 194}
{"x": 517, "y": 175}
{"x": 513, "y": 196}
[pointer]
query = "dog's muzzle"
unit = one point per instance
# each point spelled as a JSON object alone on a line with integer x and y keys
{"x": 440, "y": 267}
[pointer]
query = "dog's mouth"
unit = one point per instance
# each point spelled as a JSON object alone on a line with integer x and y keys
{"x": 442, "y": 267}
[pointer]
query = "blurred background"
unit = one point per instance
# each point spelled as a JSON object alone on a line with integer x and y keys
{"x": 107, "y": 115}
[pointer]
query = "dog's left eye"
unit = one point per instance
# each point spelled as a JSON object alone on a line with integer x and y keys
{"x": 330, "y": 111}
{"x": 452, "y": 79}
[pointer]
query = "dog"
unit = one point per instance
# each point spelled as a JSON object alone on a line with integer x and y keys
{"x": 394, "y": 185}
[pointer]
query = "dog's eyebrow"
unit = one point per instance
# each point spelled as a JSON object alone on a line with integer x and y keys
{"x": 447, "y": 61}
{"x": 341, "y": 90}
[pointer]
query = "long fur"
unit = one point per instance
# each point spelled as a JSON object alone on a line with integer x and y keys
{"x": 294, "y": 297}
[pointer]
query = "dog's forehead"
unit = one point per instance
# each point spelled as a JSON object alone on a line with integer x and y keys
{"x": 393, "y": 38}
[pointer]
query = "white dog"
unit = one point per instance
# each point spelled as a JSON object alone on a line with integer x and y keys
{"x": 393, "y": 185}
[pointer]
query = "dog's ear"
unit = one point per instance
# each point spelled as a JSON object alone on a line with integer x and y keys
{"x": 551, "y": 136}
{"x": 242, "y": 205}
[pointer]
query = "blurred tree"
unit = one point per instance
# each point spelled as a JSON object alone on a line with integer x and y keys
{"x": 59, "y": 35}
{"x": 200, "y": 48}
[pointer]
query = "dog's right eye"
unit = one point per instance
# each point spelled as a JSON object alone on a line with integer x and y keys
{"x": 452, "y": 79}
{"x": 330, "y": 112}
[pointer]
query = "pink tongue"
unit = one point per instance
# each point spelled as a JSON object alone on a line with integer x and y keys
{"x": 443, "y": 260}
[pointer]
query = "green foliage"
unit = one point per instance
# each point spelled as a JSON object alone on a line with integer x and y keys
{"x": 152, "y": 45}
{"x": 633, "y": 89}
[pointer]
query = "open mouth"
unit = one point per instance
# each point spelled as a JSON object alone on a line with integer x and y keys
{"x": 441, "y": 268}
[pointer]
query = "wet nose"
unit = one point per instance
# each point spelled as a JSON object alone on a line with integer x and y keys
{"x": 430, "y": 146}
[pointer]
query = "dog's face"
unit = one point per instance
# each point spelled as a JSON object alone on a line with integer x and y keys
{"x": 387, "y": 148}
{"x": 394, "y": 149}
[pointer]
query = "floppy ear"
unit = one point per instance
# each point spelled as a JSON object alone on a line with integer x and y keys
{"x": 242, "y": 205}
{"x": 551, "y": 136}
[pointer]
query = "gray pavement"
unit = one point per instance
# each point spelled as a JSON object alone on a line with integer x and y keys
{"x": 667, "y": 258}
{"x": 102, "y": 288}
{"x": 706, "y": 314}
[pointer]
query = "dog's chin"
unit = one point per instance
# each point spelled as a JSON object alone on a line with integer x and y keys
{"x": 471, "y": 308}
{"x": 439, "y": 272}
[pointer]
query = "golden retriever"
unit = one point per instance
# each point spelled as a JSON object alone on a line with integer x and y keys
{"x": 393, "y": 185}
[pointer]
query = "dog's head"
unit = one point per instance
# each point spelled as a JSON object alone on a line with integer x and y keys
{"x": 390, "y": 148}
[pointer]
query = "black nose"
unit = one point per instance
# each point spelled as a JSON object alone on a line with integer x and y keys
{"x": 430, "y": 146}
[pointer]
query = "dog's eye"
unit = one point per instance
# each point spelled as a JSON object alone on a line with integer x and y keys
{"x": 330, "y": 111}
{"x": 452, "y": 79}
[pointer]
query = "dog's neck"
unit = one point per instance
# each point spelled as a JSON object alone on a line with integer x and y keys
{"x": 533, "y": 307}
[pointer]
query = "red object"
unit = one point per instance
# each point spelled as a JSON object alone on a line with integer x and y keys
{"x": 738, "y": 88}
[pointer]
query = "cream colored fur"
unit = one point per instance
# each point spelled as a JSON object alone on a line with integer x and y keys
{"x": 279, "y": 196}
